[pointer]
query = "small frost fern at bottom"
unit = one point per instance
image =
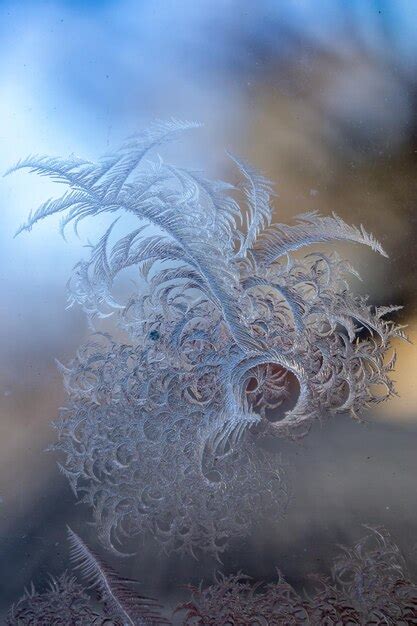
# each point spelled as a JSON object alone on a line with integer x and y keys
{"x": 66, "y": 602}
{"x": 369, "y": 585}
{"x": 230, "y": 323}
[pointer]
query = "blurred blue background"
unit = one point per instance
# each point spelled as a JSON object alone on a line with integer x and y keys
{"x": 321, "y": 96}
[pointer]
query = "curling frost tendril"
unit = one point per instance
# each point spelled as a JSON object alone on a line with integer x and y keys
{"x": 231, "y": 323}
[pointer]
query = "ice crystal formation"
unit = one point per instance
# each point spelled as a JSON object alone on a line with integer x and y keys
{"x": 232, "y": 332}
{"x": 64, "y": 602}
{"x": 369, "y": 584}
{"x": 68, "y": 603}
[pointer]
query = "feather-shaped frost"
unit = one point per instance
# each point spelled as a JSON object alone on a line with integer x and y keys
{"x": 121, "y": 601}
{"x": 257, "y": 190}
{"x": 232, "y": 333}
{"x": 67, "y": 603}
{"x": 369, "y": 584}
{"x": 311, "y": 228}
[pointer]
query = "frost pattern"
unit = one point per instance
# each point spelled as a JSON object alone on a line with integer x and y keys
{"x": 154, "y": 470}
{"x": 232, "y": 334}
{"x": 369, "y": 585}
{"x": 63, "y": 603}
{"x": 68, "y": 603}
{"x": 121, "y": 603}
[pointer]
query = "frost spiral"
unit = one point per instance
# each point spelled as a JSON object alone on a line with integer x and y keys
{"x": 230, "y": 334}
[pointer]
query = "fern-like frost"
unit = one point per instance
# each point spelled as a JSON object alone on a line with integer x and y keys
{"x": 369, "y": 584}
{"x": 233, "y": 333}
